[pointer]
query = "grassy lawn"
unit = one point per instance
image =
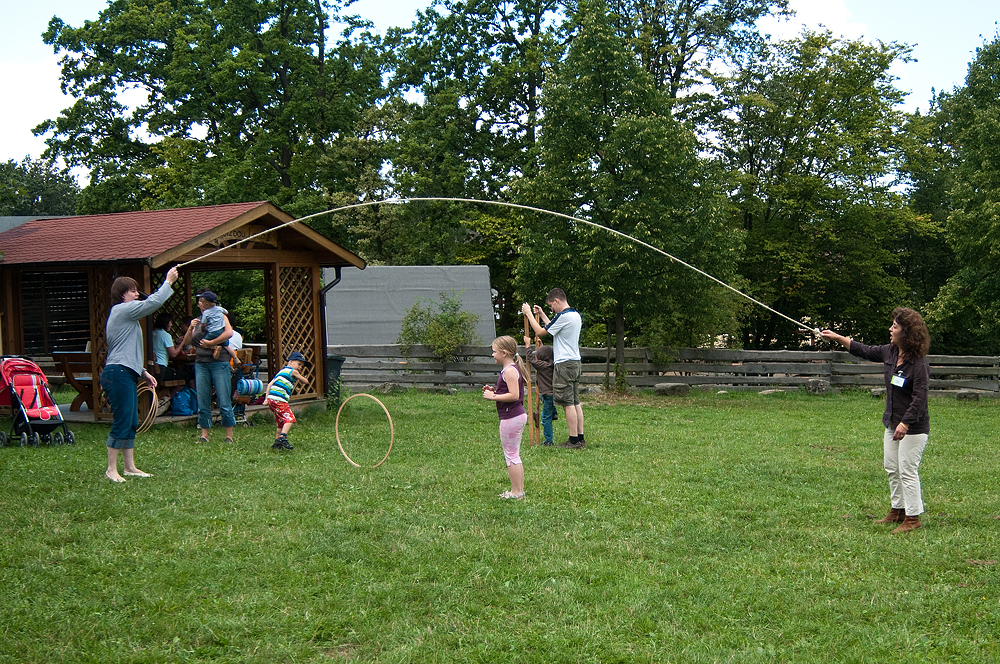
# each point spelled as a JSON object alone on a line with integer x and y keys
{"x": 709, "y": 528}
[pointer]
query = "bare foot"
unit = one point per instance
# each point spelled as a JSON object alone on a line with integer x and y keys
{"x": 114, "y": 477}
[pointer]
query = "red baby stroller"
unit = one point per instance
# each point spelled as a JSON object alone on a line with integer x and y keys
{"x": 25, "y": 390}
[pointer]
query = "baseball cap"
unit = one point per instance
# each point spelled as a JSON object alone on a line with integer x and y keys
{"x": 296, "y": 355}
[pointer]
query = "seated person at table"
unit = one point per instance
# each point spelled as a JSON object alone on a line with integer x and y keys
{"x": 164, "y": 350}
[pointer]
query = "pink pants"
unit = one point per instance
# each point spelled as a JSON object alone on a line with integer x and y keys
{"x": 510, "y": 438}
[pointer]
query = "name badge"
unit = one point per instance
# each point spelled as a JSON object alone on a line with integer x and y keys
{"x": 898, "y": 380}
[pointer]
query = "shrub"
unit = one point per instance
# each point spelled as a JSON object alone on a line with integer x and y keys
{"x": 444, "y": 331}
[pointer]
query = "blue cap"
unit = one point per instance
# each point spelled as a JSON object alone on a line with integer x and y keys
{"x": 296, "y": 355}
{"x": 208, "y": 296}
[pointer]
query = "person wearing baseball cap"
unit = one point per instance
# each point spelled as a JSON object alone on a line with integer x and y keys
{"x": 279, "y": 391}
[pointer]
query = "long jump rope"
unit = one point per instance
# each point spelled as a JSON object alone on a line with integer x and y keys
{"x": 398, "y": 201}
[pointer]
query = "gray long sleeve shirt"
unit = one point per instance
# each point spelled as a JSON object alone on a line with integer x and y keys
{"x": 123, "y": 332}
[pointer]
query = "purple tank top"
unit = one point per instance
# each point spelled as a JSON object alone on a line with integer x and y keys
{"x": 509, "y": 409}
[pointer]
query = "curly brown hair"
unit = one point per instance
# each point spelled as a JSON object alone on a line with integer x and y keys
{"x": 915, "y": 338}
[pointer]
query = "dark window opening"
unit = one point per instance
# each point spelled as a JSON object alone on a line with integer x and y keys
{"x": 56, "y": 312}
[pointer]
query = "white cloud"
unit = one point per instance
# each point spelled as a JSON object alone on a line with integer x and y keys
{"x": 832, "y": 14}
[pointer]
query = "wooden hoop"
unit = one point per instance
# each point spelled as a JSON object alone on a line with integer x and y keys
{"x": 336, "y": 429}
{"x": 147, "y": 422}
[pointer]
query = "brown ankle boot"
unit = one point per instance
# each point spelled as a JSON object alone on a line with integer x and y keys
{"x": 895, "y": 515}
{"x": 909, "y": 523}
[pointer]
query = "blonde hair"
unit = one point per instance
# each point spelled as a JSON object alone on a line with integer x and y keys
{"x": 507, "y": 344}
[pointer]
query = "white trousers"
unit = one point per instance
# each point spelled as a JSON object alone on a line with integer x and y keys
{"x": 901, "y": 460}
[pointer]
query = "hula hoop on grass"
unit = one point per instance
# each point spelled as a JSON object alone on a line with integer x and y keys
{"x": 336, "y": 429}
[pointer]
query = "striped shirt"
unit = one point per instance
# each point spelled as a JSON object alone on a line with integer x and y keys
{"x": 282, "y": 385}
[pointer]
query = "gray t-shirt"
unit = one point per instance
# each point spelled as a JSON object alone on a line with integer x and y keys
{"x": 123, "y": 332}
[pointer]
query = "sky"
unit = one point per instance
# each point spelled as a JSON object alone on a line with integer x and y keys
{"x": 944, "y": 36}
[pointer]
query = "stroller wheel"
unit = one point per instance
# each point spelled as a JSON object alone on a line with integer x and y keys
{"x": 46, "y": 438}
{"x": 70, "y": 438}
{"x": 24, "y": 439}
{"x": 36, "y": 440}
{"x": 57, "y": 438}
{"x": 3, "y": 438}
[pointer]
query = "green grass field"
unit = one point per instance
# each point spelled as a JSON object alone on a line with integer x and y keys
{"x": 710, "y": 528}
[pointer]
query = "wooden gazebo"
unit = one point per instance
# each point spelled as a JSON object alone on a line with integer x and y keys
{"x": 57, "y": 273}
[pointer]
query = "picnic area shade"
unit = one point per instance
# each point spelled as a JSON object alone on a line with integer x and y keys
{"x": 55, "y": 265}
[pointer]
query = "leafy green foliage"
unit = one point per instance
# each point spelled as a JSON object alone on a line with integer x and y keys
{"x": 611, "y": 152}
{"x": 444, "y": 330}
{"x": 226, "y": 102}
{"x": 35, "y": 187}
{"x": 812, "y": 141}
{"x": 965, "y": 317}
{"x": 925, "y": 259}
{"x": 477, "y": 67}
{"x": 678, "y": 41}
{"x": 241, "y": 292}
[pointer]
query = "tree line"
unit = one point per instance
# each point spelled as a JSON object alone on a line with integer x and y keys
{"x": 785, "y": 168}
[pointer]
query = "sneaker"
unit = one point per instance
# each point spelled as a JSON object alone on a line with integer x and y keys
{"x": 570, "y": 445}
{"x": 547, "y": 443}
{"x": 282, "y": 444}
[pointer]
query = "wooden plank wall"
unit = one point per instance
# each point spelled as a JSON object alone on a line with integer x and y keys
{"x": 708, "y": 367}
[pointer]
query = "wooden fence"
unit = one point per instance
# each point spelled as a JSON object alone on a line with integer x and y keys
{"x": 365, "y": 366}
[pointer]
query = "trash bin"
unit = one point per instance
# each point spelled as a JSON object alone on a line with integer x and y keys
{"x": 333, "y": 365}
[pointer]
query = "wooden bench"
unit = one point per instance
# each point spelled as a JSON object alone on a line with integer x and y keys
{"x": 77, "y": 369}
{"x": 164, "y": 387}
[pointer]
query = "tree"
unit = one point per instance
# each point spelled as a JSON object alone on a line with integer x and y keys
{"x": 925, "y": 259}
{"x": 611, "y": 152}
{"x": 813, "y": 140}
{"x": 965, "y": 316}
{"x": 36, "y": 187}
{"x": 190, "y": 103}
{"x": 678, "y": 41}
{"x": 472, "y": 71}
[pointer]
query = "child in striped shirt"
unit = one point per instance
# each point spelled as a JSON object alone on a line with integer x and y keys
{"x": 279, "y": 391}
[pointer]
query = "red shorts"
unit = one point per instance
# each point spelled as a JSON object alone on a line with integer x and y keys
{"x": 282, "y": 413}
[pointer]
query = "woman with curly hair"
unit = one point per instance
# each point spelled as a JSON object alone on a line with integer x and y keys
{"x": 906, "y": 420}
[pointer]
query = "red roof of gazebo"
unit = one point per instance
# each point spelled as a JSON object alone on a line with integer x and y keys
{"x": 113, "y": 237}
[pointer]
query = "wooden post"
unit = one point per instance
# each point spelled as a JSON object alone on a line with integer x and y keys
{"x": 538, "y": 398}
{"x": 532, "y": 429}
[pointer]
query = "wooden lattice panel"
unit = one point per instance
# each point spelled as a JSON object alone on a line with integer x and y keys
{"x": 101, "y": 279}
{"x": 297, "y": 319}
{"x": 272, "y": 332}
{"x": 176, "y": 305}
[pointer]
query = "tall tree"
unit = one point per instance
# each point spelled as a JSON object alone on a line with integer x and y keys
{"x": 611, "y": 153}
{"x": 814, "y": 141}
{"x": 471, "y": 72}
{"x": 679, "y": 41}
{"x": 36, "y": 187}
{"x": 965, "y": 316}
{"x": 188, "y": 102}
{"x": 926, "y": 261}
